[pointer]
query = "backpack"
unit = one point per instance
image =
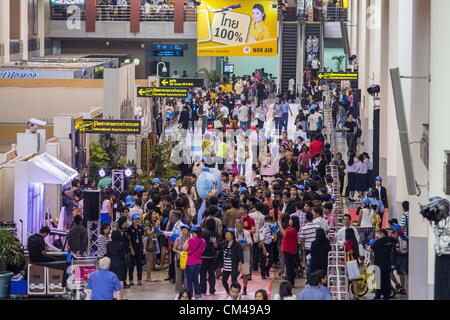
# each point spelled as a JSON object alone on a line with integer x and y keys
{"x": 402, "y": 246}
{"x": 319, "y": 123}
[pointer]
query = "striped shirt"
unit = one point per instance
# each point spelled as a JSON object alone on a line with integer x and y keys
{"x": 102, "y": 242}
{"x": 404, "y": 223}
{"x": 227, "y": 259}
{"x": 301, "y": 216}
{"x": 308, "y": 234}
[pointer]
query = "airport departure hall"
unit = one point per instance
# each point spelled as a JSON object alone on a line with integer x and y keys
{"x": 217, "y": 150}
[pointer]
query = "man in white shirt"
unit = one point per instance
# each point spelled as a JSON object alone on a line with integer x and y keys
{"x": 319, "y": 219}
{"x": 225, "y": 113}
{"x": 259, "y": 224}
{"x": 243, "y": 117}
{"x": 340, "y": 236}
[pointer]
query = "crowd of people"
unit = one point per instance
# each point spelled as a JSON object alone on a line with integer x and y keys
{"x": 273, "y": 209}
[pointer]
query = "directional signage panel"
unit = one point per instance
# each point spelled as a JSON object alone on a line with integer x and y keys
{"x": 338, "y": 76}
{"x": 149, "y": 92}
{"x": 181, "y": 83}
{"x": 109, "y": 126}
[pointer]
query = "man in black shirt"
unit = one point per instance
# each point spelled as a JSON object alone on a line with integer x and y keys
{"x": 136, "y": 234}
{"x": 37, "y": 248}
{"x": 288, "y": 166}
{"x": 383, "y": 248}
{"x": 350, "y": 127}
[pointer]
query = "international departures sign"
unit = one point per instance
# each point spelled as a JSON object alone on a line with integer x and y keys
{"x": 181, "y": 83}
{"x": 150, "y": 92}
{"x": 108, "y": 126}
{"x": 338, "y": 76}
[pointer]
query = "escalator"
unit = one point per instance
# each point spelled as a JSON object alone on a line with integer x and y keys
{"x": 313, "y": 30}
{"x": 289, "y": 36}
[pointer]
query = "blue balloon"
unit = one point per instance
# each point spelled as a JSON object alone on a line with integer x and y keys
{"x": 207, "y": 180}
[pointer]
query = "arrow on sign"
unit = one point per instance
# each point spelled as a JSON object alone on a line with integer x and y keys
{"x": 141, "y": 91}
{"x": 320, "y": 76}
{"x": 164, "y": 82}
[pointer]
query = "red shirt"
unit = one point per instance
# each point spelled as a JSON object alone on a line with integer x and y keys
{"x": 289, "y": 242}
{"x": 249, "y": 222}
{"x": 316, "y": 147}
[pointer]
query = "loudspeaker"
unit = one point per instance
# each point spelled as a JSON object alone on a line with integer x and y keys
{"x": 403, "y": 131}
{"x": 91, "y": 203}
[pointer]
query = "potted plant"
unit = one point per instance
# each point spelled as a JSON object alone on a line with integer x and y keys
{"x": 339, "y": 61}
{"x": 10, "y": 254}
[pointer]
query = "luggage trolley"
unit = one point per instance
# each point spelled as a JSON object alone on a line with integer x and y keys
{"x": 79, "y": 271}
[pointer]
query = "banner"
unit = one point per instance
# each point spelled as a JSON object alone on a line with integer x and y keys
{"x": 237, "y": 28}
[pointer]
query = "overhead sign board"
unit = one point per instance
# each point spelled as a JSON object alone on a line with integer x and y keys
{"x": 338, "y": 76}
{"x": 237, "y": 28}
{"x": 109, "y": 126}
{"x": 181, "y": 83}
{"x": 149, "y": 92}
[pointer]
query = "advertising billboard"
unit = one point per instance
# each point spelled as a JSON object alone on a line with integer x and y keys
{"x": 237, "y": 28}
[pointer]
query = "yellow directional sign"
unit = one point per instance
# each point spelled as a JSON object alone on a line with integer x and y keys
{"x": 149, "y": 92}
{"x": 182, "y": 82}
{"x": 338, "y": 76}
{"x": 108, "y": 126}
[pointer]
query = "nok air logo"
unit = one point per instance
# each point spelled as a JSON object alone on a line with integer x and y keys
{"x": 231, "y": 28}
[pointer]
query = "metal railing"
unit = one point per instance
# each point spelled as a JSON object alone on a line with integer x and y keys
{"x": 190, "y": 14}
{"x": 113, "y": 13}
{"x": 331, "y": 14}
{"x": 156, "y": 13}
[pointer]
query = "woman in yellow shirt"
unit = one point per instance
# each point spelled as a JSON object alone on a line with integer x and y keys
{"x": 258, "y": 28}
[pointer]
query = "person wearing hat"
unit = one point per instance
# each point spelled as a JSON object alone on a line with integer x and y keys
{"x": 156, "y": 182}
{"x": 173, "y": 188}
{"x": 379, "y": 193}
{"x": 177, "y": 249}
{"x": 245, "y": 240}
{"x": 137, "y": 249}
{"x": 400, "y": 257}
{"x": 194, "y": 247}
{"x": 231, "y": 257}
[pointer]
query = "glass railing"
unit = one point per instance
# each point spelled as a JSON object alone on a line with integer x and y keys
{"x": 122, "y": 13}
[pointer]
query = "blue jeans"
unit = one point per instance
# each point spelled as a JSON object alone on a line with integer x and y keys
{"x": 285, "y": 120}
{"x": 278, "y": 124}
{"x": 191, "y": 277}
{"x": 245, "y": 125}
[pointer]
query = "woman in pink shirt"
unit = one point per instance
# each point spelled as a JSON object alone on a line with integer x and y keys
{"x": 194, "y": 247}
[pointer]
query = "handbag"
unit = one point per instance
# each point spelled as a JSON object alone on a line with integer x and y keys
{"x": 353, "y": 270}
{"x": 184, "y": 256}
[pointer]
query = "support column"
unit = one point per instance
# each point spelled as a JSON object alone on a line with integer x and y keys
{"x": 24, "y": 28}
{"x": 41, "y": 27}
{"x": 135, "y": 9}
{"x": 178, "y": 19}
{"x": 439, "y": 113}
{"x": 5, "y": 29}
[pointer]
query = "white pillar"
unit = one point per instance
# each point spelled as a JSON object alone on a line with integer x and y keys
{"x": 5, "y": 29}
{"x": 439, "y": 111}
{"x": 41, "y": 27}
{"x": 24, "y": 28}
